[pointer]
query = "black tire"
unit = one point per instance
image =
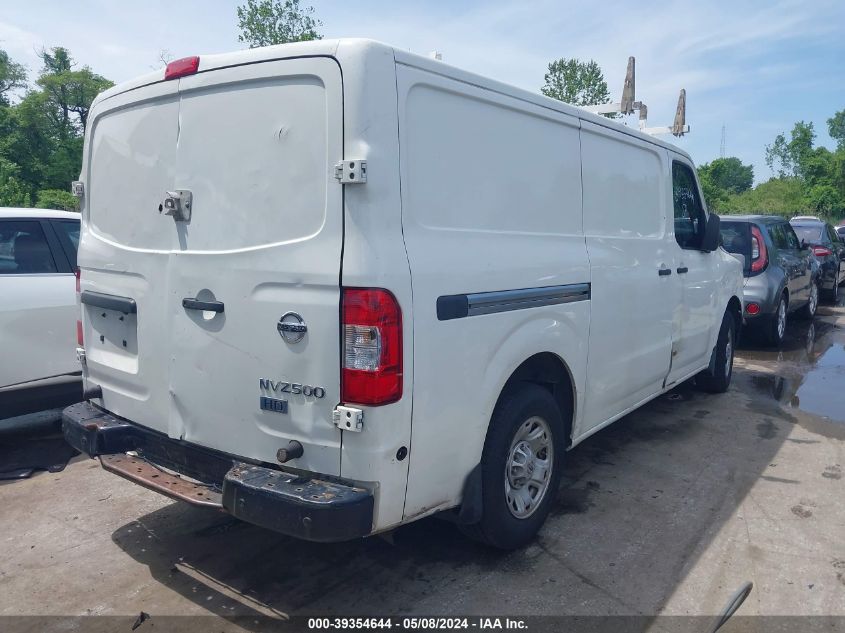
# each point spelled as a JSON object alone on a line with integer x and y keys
{"x": 833, "y": 293}
{"x": 772, "y": 333}
{"x": 809, "y": 309}
{"x": 499, "y": 527}
{"x": 718, "y": 380}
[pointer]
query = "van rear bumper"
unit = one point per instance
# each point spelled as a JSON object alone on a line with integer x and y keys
{"x": 308, "y": 507}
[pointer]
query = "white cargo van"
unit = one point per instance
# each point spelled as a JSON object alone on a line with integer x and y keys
{"x": 333, "y": 287}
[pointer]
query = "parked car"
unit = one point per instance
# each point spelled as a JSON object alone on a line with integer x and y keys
{"x": 840, "y": 231}
{"x": 828, "y": 248}
{"x": 801, "y": 218}
{"x": 38, "y": 310}
{"x": 781, "y": 276}
{"x": 255, "y": 327}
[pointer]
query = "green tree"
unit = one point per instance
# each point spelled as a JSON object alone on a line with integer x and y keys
{"x": 13, "y": 192}
{"x": 70, "y": 91}
{"x": 576, "y": 82}
{"x": 42, "y": 135}
{"x": 836, "y": 129}
{"x": 12, "y": 77}
{"x": 778, "y": 196}
{"x": 728, "y": 174}
{"x": 787, "y": 158}
{"x": 60, "y": 199}
{"x": 268, "y": 22}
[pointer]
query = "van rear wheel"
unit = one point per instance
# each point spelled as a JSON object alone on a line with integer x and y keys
{"x": 520, "y": 467}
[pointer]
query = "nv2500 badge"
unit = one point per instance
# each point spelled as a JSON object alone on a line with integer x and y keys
{"x": 293, "y": 388}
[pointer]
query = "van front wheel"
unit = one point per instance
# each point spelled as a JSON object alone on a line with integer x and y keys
{"x": 718, "y": 379}
{"x": 520, "y": 467}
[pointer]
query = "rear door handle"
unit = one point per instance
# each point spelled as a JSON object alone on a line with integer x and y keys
{"x": 664, "y": 271}
{"x": 682, "y": 270}
{"x": 190, "y": 303}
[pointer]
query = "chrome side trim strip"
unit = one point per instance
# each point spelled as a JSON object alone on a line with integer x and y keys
{"x": 474, "y": 304}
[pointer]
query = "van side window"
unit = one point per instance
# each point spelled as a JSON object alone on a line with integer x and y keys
{"x": 689, "y": 212}
{"x": 24, "y": 249}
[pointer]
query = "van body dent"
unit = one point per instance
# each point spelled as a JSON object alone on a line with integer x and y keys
{"x": 330, "y": 347}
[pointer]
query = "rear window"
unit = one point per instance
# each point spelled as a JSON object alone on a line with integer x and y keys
{"x": 24, "y": 249}
{"x": 736, "y": 238}
{"x": 810, "y": 234}
{"x": 68, "y": 234}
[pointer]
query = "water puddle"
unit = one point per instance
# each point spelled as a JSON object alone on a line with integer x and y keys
{"x": 823, "y": 390}
{"x": 811, "y": 371}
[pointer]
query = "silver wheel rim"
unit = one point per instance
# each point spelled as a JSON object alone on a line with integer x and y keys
{"x": 781, "y": 318}
{"x": 729, "y": 353}
{"x": 528, "y": 470}
{"x": 814, "y": 298}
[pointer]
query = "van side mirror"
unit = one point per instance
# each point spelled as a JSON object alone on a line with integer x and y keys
{"x": 712, "y": 234}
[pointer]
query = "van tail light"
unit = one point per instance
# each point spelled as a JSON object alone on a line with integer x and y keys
{"x": 79, "y": 340}
{"x": 181, "y": 67}
{"x": 371, "y": 369}
{"x": 759, "y": 253}
{"x": 821, "y": 251}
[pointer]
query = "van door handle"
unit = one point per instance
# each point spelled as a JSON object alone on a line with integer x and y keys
{"x": 190, "y": 303}
{"x": 682, "y": 270}
{"x": 664, "y": 271}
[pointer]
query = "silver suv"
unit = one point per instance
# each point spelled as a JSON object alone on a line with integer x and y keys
{"x": 781, "y": 276}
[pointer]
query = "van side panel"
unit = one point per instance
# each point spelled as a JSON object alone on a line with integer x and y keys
{"x": 625, "y": 211}
{"x": 374, "y": 256}
{"x": 491, "y": 201}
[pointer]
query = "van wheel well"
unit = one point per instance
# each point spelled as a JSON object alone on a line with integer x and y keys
{"x": 735, "y": 310}
{"x": 550, "y": 372}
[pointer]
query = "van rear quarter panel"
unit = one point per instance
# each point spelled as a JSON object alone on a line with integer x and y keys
{"x": 491, "y": 201}
{"x": 374, "y": 256}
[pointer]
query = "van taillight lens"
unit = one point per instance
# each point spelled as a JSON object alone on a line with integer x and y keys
{"x": 79, "y": 339}
{"x": 759, "y": 253}
{"x": 821, "y": 251}
{"x": 181, "y": 67}
{"x": 371, "y": 371}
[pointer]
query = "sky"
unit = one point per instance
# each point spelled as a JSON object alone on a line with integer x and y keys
{"x": 754, "y": 67}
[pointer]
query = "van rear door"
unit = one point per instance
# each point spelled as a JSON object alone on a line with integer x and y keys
{"x": 255, "y": 146}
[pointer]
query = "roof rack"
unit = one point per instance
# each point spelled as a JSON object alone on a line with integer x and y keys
{"x": 628, "y": 104}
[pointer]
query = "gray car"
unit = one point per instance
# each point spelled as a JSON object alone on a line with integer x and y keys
{"x": 828, "y": 248}
{"x": 781, "y": 276}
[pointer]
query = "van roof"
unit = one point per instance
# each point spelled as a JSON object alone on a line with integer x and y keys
{"x": 21, "y": 212}
{"x": 347, "y": 49}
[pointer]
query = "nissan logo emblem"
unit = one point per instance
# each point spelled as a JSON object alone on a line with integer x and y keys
{"x": 292, "y": 327}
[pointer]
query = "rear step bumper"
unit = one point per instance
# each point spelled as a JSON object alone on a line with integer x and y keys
{"x": 310, "y": 508}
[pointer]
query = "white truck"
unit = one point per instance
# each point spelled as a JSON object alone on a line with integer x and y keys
{"x": 333, "y": 287}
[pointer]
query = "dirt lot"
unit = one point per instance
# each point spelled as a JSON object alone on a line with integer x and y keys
{"x": 666, "y": 512}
